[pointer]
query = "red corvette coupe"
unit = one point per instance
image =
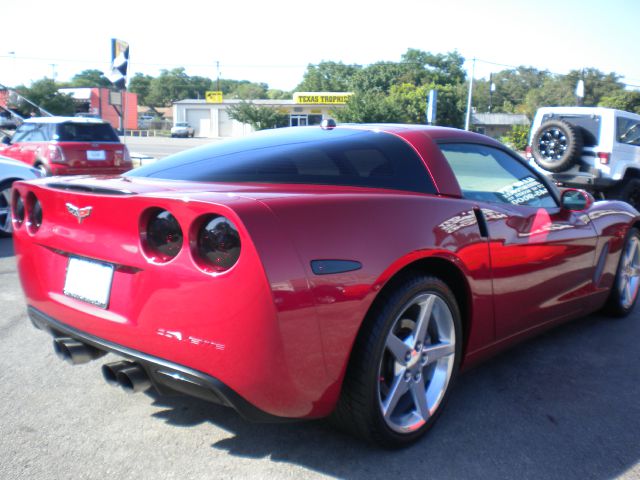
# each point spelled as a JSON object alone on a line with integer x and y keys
{"x": 349, "y": 271}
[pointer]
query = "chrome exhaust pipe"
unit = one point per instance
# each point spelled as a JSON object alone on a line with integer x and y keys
{"x": 75, "y": 352}
{"x": 110, "y": 371}
{"x": 133, "y": 379}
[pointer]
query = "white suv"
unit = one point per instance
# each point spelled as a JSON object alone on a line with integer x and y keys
{"x": 594, "y": 148}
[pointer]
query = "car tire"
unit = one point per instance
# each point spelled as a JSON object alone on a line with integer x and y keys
{"x": 556, "y": 145}
{"x": 624, "y": 292}
{"x": 6, "y": 226}
{"x": 401, "y": 369}
{"x": 628, "y": 191}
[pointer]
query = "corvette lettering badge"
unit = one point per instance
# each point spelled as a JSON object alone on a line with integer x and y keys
{"x": 79, "y": 213}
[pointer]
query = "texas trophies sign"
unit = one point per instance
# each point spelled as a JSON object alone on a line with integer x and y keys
{"x": 119, "y": 63}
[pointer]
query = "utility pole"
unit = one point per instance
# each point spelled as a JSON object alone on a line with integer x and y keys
{"x": 467, "y": 121}
{"x": 53, "y": 70}
{"x": 492, "y": 88}
{"x": 218, "y": 75}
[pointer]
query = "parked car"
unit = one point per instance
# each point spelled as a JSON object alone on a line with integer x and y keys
{"x": 182, "y": 129}
{"x": 68, "y": 146}
{"x": 11, "y": 171}
{"x": 349, "y": 271}
{"x": 7, "y": 122}
{"x": 594, "y": 148}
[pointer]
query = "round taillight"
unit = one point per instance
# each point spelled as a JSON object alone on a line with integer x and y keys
{"x": 34, "y": 213}
{"x": 17, "y": 209}
{"x": 161, "y": 235}
{"x": 216, "y": 247}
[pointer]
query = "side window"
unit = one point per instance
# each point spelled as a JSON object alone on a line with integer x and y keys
{"x": 39, "y": 133}
{"x": 628, "y": 131}
{"x": 23, "y": 133}
{"x": 491, "y": 175}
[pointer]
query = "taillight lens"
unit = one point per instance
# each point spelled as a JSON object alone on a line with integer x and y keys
{"x": 604, "y": 157}
{"x": 528, "y": 153}
{"x": 161, "y": 235}
{"x": 34, "y": 213}
{"x": 127, "y": 157}
{"x": 55, "y": 154}
{"x": 17, "y": 209}
{"x": 216, "y": 246}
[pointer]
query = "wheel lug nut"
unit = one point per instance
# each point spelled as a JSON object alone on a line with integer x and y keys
{"x": 416, "y": 377}
{"x": 418, "y": 346}
{"x": 407, "y": 357}
{"x": 407, "y": 377}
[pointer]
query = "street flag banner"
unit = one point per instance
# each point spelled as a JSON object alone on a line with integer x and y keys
{"x": 119, "y": 63}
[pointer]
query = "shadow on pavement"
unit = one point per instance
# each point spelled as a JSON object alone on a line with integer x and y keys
{"x": 6, "y": 247}
{"x": 565, "y": 405}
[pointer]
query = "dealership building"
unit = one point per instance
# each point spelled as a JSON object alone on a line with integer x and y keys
{"x": 210, "y": 118}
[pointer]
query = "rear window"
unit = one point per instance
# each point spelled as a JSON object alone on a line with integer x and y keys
{"x": 589, "y": 126}
{"x": 85, "y": 132}
{"x": 301, "y": 156}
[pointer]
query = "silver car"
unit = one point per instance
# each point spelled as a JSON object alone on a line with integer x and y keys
{"x": 10, "y": 171}
{"x": 182, "y": 129}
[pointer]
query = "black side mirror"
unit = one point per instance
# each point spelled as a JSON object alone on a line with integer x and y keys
{"x": 576, "y": 200}
{"x": 6, "y": 140}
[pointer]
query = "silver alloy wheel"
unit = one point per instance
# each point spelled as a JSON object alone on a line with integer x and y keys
{"x": 5, "y": 211}
{"x": 417, "y": 363}
{"x": 629, "y": 278}
{"x": 553, "y": 144}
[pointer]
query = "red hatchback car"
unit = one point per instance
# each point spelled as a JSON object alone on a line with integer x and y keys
{"x": 307, "y": 272}
{"x": 68, "y": 146}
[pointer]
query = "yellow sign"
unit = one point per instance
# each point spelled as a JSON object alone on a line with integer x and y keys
{"x": 321, "y": 98}
{"x": 213, "y": 97}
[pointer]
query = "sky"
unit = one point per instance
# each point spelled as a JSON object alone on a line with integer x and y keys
{"x": 274, "y": 41}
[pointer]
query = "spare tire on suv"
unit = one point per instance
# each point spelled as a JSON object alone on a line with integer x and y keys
{"x": 556, "y": 145}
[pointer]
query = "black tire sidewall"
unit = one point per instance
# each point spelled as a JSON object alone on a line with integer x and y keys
{"x": 630, "y": 189}
{"x": 3, "y": 187}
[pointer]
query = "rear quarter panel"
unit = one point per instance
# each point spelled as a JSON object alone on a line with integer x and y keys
{"x": 385, "y": 232}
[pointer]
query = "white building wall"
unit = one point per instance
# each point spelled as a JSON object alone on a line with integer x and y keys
{"x": 212, "y": 121}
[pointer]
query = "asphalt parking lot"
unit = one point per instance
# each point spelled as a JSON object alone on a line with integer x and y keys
{"x": 562, "y": 406}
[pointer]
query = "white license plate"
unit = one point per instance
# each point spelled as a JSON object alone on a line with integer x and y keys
{"x": 89, "y": 281}
{"x": 96, "y": 155}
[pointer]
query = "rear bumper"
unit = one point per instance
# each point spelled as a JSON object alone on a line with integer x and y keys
{"x": 591, "y": 180}
{"x": 167, "y": 377}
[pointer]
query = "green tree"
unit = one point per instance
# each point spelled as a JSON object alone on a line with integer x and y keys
{"x": 275, "y": 94}
{"x": 378, "y": 77}
{"x": 422, "y": 67}
{"x": 45, "y": 93}
{"x": 249, "y": 91}
{"x": 369, "y": 107}
{"x": 140, "y": 84}
{"x": 259, "y": 117}
{"x": 328, "y": 77}
{"x": 517, "y": 138}
{"x": 90, "y": 78}
{"x": 174, "y": 85}
{"x": 626, "y": 100}
{"x": 597, "y": 84}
